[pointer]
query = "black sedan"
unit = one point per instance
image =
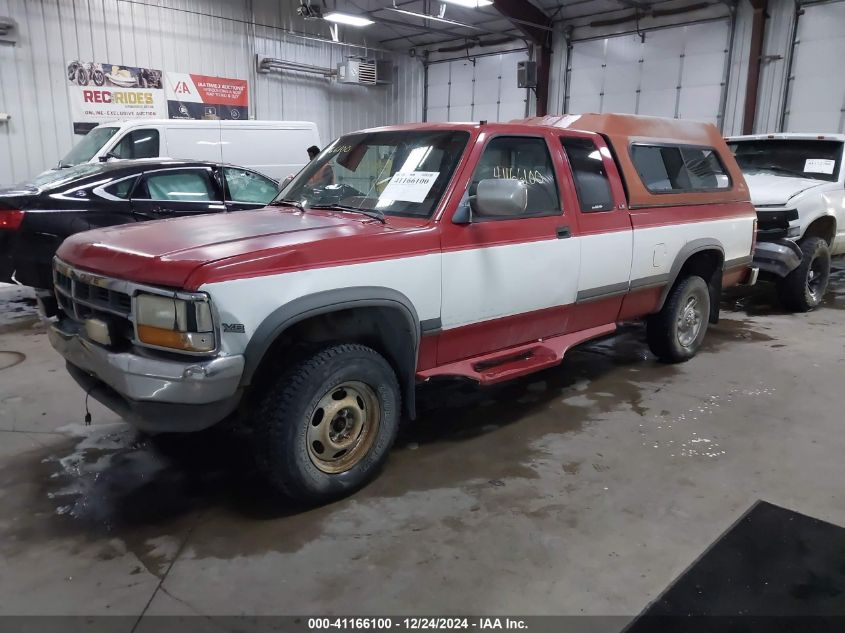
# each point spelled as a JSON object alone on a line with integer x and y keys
{"x": 37, "y": 216}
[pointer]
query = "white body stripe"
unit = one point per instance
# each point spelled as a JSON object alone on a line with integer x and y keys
{"x": 484, "y": 283}
{"x": 250, "y": 301}
{"x": 487, "y": 283}
{"x": 735, "y": 235}
{"x": 605, "y": 259}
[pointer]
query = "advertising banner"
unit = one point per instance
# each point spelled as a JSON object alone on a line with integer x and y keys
{"x": 106, "y": 92}
{"x": 192, "y": 96}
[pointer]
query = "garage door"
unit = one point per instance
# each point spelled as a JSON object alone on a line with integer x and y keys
{"x": 481, "y": 90}
{"x": 675, "y": 72}
{"x": 816, "y": 91}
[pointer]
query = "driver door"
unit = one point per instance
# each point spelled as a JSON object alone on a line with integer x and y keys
{"x": 166, "y": 193}
{"x": 509, "y": 280}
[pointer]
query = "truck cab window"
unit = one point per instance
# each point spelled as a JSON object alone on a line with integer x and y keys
{"x": 138, "y": 144}
{"x": 591, "y": 182}
{"x": 526, "y": 159}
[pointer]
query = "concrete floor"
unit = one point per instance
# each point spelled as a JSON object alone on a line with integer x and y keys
{"x": 582, "y": 490}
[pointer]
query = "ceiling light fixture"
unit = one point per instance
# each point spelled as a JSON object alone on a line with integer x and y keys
{"x": 471, "y": 4}
{"x": 346, "y": 18}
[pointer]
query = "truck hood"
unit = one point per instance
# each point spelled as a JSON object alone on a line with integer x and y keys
{"x": 230, "y": 245}
{"x": 771, "y": 189}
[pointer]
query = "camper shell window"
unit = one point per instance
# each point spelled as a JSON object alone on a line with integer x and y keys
{"x": 668, "y": 168}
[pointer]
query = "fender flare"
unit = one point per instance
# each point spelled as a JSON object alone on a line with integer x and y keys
{"x": 688, "y": 250}
{"x": 335, "y": 300}
{"x": 822, "y": 214}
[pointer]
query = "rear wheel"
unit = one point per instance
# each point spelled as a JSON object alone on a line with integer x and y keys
{"x": 677, "y": 331}
{"x": 803, "y": 289}
{"x": 325, "y": 428}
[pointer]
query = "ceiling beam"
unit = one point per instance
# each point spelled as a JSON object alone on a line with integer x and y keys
{"x": 534, "y": 23}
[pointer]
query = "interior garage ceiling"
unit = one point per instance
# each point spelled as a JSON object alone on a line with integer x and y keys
{"x": 401, "y": 29}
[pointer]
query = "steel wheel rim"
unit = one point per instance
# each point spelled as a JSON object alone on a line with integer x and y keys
{"x": 343, "y": 426}
{"x": 815, "y": 278}
{"x": 689, "y": 322}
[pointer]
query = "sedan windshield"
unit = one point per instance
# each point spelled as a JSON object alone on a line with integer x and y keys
{"x": 86, "y": 148}
{"x": 53, "y": 179}
{"x": 818, "y": 160}
{"x": 391, "y": 173}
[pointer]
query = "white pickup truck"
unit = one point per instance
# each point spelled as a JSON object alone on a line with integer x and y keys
{"x": 797, "y": 185}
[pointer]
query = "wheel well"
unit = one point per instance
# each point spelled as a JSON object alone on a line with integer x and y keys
{"x": 707, "y": 264}
{"x": 387, "y": 330}
{"x": 823, "y": 227}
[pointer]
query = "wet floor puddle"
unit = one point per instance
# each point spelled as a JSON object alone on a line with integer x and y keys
{"x": 108, "y": 486}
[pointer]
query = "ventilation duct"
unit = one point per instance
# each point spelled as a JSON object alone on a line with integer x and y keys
{"x": 270, "y": 64}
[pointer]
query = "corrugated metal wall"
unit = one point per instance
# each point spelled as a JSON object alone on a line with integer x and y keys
{"x": 336, "y": 108}
{"x": 211, "y": 37}
{"x": 777, "y": 47}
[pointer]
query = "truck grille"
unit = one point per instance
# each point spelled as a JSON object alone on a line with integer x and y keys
{"x": 82, "y": 296}
{"x": 773, "y": 224}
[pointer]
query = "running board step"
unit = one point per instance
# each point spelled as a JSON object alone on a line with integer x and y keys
{"x": 513, "y": 365}
{"x": 515, "y": 362}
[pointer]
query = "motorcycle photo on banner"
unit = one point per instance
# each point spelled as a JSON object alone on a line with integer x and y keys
{"x": 105, "y": 92}
{"x": 191, "y": 96}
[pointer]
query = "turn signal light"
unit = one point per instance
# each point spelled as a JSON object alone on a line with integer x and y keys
{"x": 10, "y": 219}
{"x": 186, "y": 341}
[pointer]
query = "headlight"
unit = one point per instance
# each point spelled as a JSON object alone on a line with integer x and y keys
{"x": 175, "y": 323}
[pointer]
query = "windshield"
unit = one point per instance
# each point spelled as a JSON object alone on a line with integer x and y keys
{"x": 818, "y": 160}
{"x": 90, "y": 144}
{"x": 395, "y": 173}
{"x": 53, "y": 179}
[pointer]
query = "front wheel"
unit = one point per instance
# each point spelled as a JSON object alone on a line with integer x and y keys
{"x": 803, "y": 289}
{"x": 677, "y": 331}
{"x": 325, "y": 427}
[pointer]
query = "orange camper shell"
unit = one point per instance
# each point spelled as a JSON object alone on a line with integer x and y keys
{"x": 624, "y": 131}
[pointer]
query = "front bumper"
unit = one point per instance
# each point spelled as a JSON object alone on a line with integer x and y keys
{"x": 779, "y": 257}
{"x": 153, "y": 394}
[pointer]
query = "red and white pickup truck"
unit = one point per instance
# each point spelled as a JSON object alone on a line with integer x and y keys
{"x": 399, "y": 255}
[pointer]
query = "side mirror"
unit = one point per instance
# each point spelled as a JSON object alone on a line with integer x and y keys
{"x": 285, "y": 182}
{"x": 500, "y": 197}
{"x": 104, "y": 158}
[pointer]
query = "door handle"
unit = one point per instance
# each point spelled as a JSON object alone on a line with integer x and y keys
{"x": 563, "y": 232}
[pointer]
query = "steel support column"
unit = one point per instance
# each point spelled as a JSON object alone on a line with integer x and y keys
{"x": 755, "y": 57}
{"x": 537, "y": 28}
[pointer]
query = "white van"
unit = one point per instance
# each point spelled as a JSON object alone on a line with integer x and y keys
{"x": 274, "y": 148}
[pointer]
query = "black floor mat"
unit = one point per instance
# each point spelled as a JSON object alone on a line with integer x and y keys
{"x": 774, "y": 570}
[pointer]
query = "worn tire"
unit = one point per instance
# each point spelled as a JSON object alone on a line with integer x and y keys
{"x": 288, "y": 413}
{"x": 797, "y": 291}
{"x": 664, "y": 330}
